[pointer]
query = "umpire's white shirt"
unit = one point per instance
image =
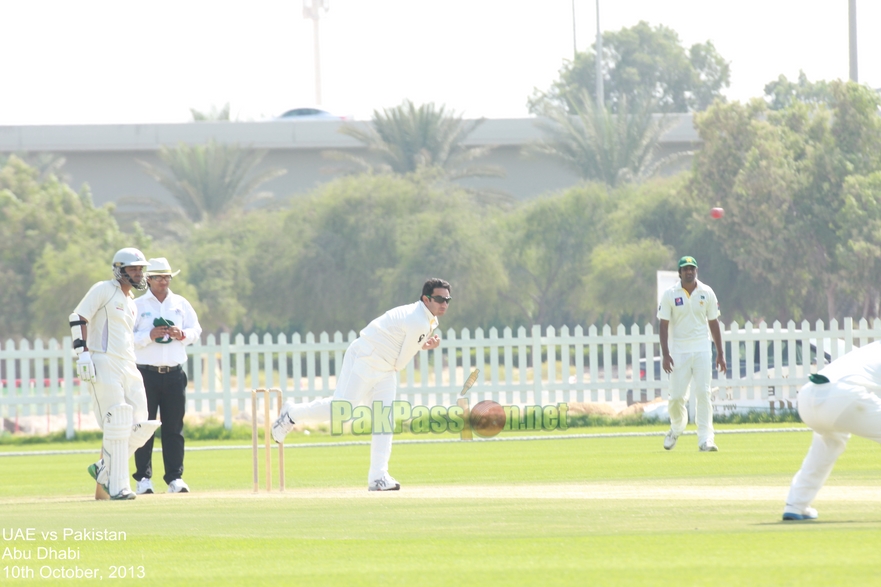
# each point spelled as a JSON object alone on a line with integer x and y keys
{"x": 177, "y": 310}
{"x": 396, "y": 336}
{"x": 688, "y": 316}
{"x": 111, "y": 317}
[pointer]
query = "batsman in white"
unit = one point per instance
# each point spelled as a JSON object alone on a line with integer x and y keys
{"x": 842, "y": 399}
{"x": 370, "y": 372}
{"x": 102, "y": 328}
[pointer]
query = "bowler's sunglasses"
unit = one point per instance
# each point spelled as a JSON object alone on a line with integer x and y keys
{"x": 441, "y": 299}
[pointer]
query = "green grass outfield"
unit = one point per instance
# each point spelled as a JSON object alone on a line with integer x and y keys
{"x": 588, "y": 511}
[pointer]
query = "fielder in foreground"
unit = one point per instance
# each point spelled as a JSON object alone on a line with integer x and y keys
{"x": 369, "y": 372}
{"x": 102, "y": 329}
{"x": 838, "y": 401}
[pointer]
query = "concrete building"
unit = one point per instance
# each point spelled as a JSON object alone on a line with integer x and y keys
{"x": 106, "y": 156}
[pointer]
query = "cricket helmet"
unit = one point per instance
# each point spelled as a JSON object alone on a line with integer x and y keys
{"x": 129, "y": 257}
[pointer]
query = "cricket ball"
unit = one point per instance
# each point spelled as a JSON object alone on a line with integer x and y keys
{"x": 717, "y": 212}
{"x": 487, "y": 418}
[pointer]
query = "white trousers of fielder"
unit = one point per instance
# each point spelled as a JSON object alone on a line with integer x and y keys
{"x": 833, "y": 411}
{"x": 694, "y": 369}
{"x": 359, "y": 384}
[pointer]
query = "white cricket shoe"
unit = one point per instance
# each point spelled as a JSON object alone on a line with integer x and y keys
{"x": 708, "y": 446}
{"x": 124, "y": 494}
{"x": 284, "y": 423}
{"x": 670, "y": 440}
{"x": 145, "y": 486}
{"x": 807, "y": 514}
{"x": 384, "y": 483}
{"x": 178, "y": 486}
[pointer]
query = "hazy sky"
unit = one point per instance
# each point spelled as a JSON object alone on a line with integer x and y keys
{"x": 128, "y": 61}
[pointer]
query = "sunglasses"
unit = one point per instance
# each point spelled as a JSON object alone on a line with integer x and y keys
{"x": 441, "y": 299}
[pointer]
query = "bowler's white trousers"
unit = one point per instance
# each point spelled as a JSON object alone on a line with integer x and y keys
{"x": 359, "y": 384}
{"x": 693, "y": 368}
{"x": 833, "y": 411}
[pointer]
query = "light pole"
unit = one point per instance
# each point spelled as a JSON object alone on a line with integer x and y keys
{"x": 599, "y": 61}
{"x": 312, "y": 9}
{"x": 852, "y": 36}
{"x": 599, "y": 54}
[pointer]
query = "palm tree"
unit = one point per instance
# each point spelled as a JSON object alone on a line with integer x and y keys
{"x": 599, "y": 145}
{"x": 407, "y": 138}
{"x": 213, "y": 115}
{"x": 211, "y": 179}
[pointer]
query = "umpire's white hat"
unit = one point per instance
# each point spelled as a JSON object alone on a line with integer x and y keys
{"x": 160, "y": 266}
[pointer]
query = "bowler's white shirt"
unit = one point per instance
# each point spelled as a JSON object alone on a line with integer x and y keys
{"x": 111, "y": 320}
{"x": 688, "y": 316}
{"x": 861, "y": 366}
{"x": 398, "y": 335}
{"x": 178, "y": 311}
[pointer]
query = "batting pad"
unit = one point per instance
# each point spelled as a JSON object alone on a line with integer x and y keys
{"x": 117, "y": 431}
{"x": 141, "y": 433}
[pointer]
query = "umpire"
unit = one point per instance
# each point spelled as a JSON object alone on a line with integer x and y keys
{"x": 165, "y": 324}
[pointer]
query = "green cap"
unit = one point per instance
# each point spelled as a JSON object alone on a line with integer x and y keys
{"x": 686, "y": 261}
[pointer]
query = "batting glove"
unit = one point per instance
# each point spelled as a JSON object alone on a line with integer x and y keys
{"x": 85, "y": 368}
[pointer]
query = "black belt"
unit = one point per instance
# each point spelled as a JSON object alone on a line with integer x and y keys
{"x": 174, "y": 369}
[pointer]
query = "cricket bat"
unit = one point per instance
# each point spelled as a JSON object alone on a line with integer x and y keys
{"x": 463, "y": 403}
{"x": 469, "y": 382}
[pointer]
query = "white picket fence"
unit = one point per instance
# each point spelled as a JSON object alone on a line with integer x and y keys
{"x": 526, "y": 367}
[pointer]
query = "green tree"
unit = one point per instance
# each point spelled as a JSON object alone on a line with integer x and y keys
{"x": 782, "y": 93}
{"x": 665, "y": 211}
{"x": 241, "y": 268}
{"x": 859, "y": 248}
{"x": 357, "y": 247}
{"x": 407, "y": 138}
{"x": 213, "y": 179}
{"x": 659, "y": 209}
{"x": 621, "y": 283}
{"x": 547, "y": 250}
{"x": 645, "y": 64}
{"x": 219, "y": 270}
{"x": 600, "y": 145}
{"x": 352, "y": 237}
{"x": 751, "y": 168}
{"x": 54, "y": 244}
{"x": 370, "y": 241}
{"x": 781, "y": 176}
{"x": 449, "y": 240}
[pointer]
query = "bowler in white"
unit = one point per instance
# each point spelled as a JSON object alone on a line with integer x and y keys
{"x": 370, "y": 373}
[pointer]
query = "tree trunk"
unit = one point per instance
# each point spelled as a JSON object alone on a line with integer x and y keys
{"x": 830, "y": 301}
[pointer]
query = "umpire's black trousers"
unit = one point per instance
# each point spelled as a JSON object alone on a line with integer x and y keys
{"x": 167, "y": 394}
